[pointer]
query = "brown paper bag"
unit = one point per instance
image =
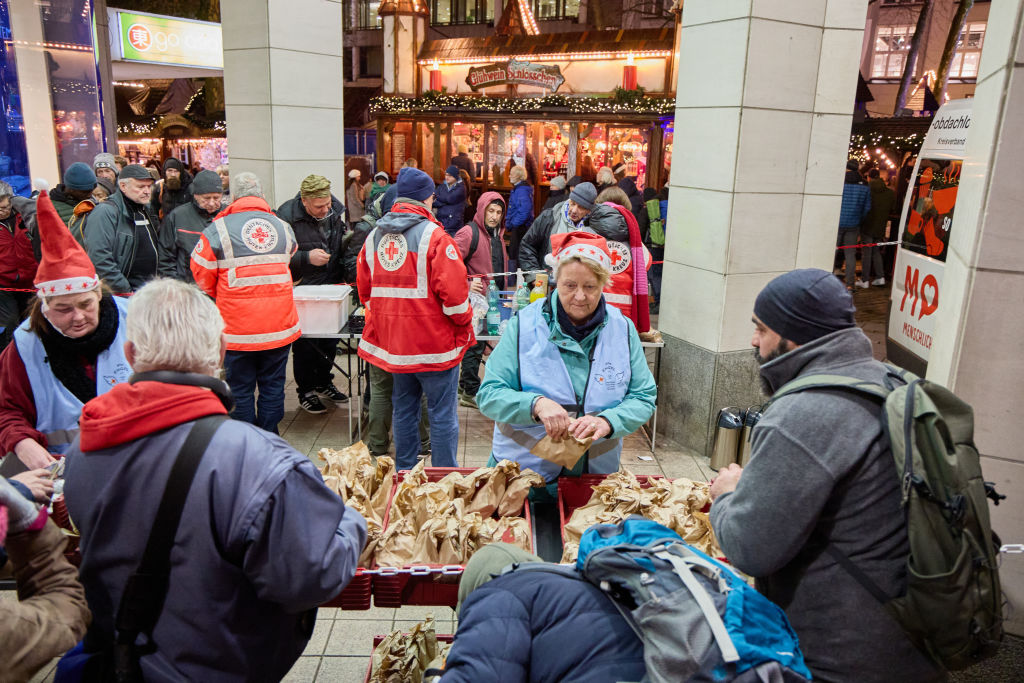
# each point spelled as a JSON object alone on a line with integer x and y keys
{"x": 566, "y": 452}
{"x": 516, "y": 492}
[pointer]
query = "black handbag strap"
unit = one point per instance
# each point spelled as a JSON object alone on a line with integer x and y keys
{"x": 143, "y": 597}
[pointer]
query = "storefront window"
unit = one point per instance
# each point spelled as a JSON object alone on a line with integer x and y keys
{"x": 13, "y": 152}
{"x": 433, "y": 139}
{"x": 73, "y": 80}
{"x": 507, "y": 148}
{"x": 556, "y": 9}
{"x": 469, "y": 138}
{"x": 555, "y": 151}
{"x": 396, "y": 146}
{"x": 602, "y": 145}
{"x": 366, "y": 14}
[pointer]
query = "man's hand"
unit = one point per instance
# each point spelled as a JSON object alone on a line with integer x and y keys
{"x": 726, "y": 481}
{"x": 554, "y": 417}
{"x": 476, "y": 285}
{"x": 319, "y": 257}
{"x": 32, "y": 454}
{"x": 589, "y": 426}
{"x": 38, "y": 482}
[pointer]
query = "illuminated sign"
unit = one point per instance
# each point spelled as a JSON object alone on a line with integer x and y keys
{"x": 168, "y": 40}
{"x": 514, "y": 71}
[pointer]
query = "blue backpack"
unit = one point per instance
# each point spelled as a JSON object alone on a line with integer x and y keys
{"x": 698, "y": 620}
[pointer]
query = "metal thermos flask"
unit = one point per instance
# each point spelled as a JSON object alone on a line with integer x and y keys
{"x": 750, "y": 418}
{"x": 727, "y": 437}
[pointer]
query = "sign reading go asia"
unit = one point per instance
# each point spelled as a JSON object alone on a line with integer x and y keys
{"x": 167, "y": 40}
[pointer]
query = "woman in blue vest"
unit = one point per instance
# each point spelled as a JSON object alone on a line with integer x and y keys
{"x": 68, "y": 351}
{"x": 568, "y": 365}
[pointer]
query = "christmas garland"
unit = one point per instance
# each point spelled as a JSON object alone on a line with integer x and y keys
{"x": 433, "y": 101}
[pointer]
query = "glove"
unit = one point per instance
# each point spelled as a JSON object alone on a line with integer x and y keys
{"x": 22, "y": 514}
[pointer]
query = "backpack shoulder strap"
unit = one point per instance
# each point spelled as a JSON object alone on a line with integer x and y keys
{"x": 143, "y": 597}
{"x": 473, "y": 242}
{"x": 824, "y": 381}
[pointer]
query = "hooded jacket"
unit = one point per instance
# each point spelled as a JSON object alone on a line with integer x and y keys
{"x": 413, "y": 283}
{"x": 490, "y": 255}
{"x": 179, "y": 234}
{"x": 821, "y": 474}
{"x": 856, "y": 200}
{"x": 312, "y": 234}
{"x": 449, "y": 203}
{"x": 111, "y": 240}
{"x": 242, "y": 262}
{"x": 261, "y": 542}
{"x": 164, "y": 199}
{"x": 536, "y": 243}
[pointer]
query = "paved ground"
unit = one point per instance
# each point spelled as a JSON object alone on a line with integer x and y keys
{"x": 339, "y": 649}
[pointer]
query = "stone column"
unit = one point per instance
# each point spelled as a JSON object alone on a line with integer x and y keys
{"x": 763, "y": 112}
{"x": 980, "y": 332}
{"x": 283, "y": 92}
{"x": 34, "y": 86}
{"x": 104, "y": 35}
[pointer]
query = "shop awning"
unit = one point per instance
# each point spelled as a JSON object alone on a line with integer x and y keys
{"x": 641, "y": 43}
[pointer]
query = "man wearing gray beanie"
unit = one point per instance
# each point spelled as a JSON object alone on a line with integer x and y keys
{"x": 180, "y": 230}
{"x": 566, "y": 216}
{"x": 413, "y": 282}
{"x": 821, "y": 483}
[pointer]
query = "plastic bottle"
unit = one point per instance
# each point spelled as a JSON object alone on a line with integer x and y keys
{"x": 493, "y": 312}
{"x": 522, "y": 297}
{"x": 540, "y": 287}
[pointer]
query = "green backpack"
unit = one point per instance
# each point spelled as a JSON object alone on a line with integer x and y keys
{"x": 657, "y": 228}
{"x": 952, "y": 609}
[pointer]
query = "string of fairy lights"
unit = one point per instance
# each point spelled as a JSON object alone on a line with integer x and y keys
{"x": 507, "y": 105}
{"x": 883, "y": 149}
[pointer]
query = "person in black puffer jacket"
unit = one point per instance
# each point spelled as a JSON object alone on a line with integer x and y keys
{"x": 525, "y": 627}
{"x": 317, "y": 218}
{"x": 173, "y": 191}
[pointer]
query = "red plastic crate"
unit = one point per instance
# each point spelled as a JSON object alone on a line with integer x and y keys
{"x": 575, "y": 492}
{"x": 357, "y": 594}
{"x": 377, "y": 641}
{"x": 435, "y": 589}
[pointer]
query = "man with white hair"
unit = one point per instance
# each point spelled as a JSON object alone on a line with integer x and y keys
{"x": 241, "y": 261}
{"x": 260, "y": 541}
{"x": 121, "y": 234}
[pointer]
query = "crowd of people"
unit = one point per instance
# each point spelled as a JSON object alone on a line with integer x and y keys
{"x": 123, "y": 394}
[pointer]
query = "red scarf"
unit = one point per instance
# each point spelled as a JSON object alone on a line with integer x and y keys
{"x": 639, "y": 311}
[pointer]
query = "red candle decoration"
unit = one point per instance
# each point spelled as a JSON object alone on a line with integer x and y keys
{"x": 629, "y": 74}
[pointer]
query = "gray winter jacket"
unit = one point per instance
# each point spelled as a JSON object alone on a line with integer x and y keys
{"x": 262, "y": 540}
{"x": 111, "y": 238}
{"x": 179, "y": 233}
{"x": 822, "y": 474}
{"x": 536, "y": 243}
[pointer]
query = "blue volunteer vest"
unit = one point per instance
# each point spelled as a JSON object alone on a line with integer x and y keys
{"x": 57, "y": 409}
{"x": 542, "y": 371}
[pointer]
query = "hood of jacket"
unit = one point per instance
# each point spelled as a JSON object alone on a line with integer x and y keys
{"x": 131, "y": 411}
{"x": 853, "y": 178}
{"x": 293, "y": 211}
{"x": 245, "y": 204}
{"x": 486, "y": 199}
{"x": 607, "y": 222}
{"x": 823, "y": 355}
{"x": 406, "y": 214}
{"x": 628, "y": 185}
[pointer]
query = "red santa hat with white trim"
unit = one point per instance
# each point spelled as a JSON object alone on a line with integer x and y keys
{"x": 588, "y": 245}
{"x": 65, "y": 268}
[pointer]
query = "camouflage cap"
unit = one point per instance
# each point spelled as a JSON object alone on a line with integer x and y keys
{"x": 315, "y": 186}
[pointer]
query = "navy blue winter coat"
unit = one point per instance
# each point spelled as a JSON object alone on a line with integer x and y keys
{"x": 538, "y": 627}
{"x": 520, "y": 206}
{"x": 449, "y": 204}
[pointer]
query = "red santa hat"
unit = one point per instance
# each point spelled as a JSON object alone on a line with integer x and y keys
{"x": 588, "y": 245}
{"x": 65, "y": 267}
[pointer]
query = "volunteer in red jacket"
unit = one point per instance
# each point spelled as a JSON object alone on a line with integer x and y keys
{"x": 413, "y": 282}
{"x": 241, "y": 261}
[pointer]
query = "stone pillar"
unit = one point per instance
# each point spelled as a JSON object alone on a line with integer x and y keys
{"x": 764, "y": 105}
{"x": 405, "y": 25}
{"x": 978, "y": 337}
{"x": 104, "y": 34}
{"x": 283, "y": 77}
{"x": 34, "y": 86}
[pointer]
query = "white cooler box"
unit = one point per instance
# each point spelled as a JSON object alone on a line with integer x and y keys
{"x": 323, "y": 309}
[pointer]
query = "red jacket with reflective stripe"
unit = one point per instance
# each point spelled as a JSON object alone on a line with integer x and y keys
{"x": 241, "y": 260}
{"x": 412, "y": 280}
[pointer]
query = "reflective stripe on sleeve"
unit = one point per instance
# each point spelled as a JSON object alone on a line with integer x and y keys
{"x": 455, "y": 310}
{"x": 261, "y": 338}
{"x": 618, "y": 298}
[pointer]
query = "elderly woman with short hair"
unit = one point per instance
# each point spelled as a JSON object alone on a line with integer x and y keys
{"x": 568, "y": 365}
{"x": 70, "y": 350}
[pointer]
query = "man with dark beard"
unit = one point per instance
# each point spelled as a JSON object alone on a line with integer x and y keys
{"x": 180, "y": 231}
{"x": 174, "y": 190}
{"x": 821, "y": 480}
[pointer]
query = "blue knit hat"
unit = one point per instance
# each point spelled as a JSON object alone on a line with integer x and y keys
{"x": 414, "y": 184}
{"x": 79, "y": 177}
{"x": 805, "y": 304}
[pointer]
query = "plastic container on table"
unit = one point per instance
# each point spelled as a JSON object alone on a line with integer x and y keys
{"x": 433, "y": 588}
{"x": 323, "y": 309}
{"x": 441, "y": 638}
{"x": 357, "y": 594}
